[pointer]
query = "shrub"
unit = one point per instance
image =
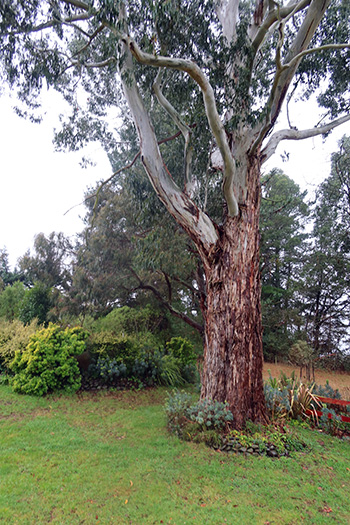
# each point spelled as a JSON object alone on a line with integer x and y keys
{"x": 170, "y": 371}
{"x": 189, "y": 420}
{"x": 10, "y": 301}
{"x": 121, "y": 348}
{"x": 129, "y": 321}
{"x": 156, "y": 367}
{"x": 330, "y": 421}
{"x": 14, "y": 336}
{"x": 210, "y": 414}
{"x": 327, "y": 391}
{"x": 277, "y": 401}
{"x": 265, "y": 440}
{"x": 182, "y": 349}
{"x": 36, "y": 304}
{"x": 176, "y": 408}
{"x": 288, "y": 397}
{"x": 48, "y": 362}
{"x": 108, "y": 369}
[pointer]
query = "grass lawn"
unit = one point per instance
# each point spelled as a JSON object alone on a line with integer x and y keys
{"x": 107, "y": 458}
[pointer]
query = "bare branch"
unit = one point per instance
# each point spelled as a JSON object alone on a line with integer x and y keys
{"x": 185, "y": 130}
{"x": 213, "y": 117}
{"x": 167, "y": 305}
{"x": 284, "y": 74}
{"x": 294, "y": 134}
{"x": 104, "y": 63}
{"x": 307, "y": 30}
{"x": 51, "y": 23}
{"x": 77, "y": 3}
{"x": 326, "y": 47}
{"x": 120, "y": 170}
{"x": 258, "y": 31}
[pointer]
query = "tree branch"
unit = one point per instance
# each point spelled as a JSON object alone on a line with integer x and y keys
{"x": 104, "y": 63}
{"x": 166, "y": 304}
{"x": 258, "y": 31}
{"x": 185, "y": 130}
{"x": 213, "y": 117}
{"x": 294, "y": 134}
{"x": 91, "y": 38}
{"x": 77, "y": 3}
{"x": 326, "y": 47}
{"x": 285, "y": 74}
{"x": 197, "y": 224}
{"x": 51, "y": 23}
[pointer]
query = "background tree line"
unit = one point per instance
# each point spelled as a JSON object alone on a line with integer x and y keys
{"x": 123, "y": 258}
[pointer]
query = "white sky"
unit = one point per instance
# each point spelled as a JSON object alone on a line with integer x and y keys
{"x": 38, "y": 185}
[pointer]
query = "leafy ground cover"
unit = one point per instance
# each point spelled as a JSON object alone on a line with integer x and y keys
{"x": 107, "y": 458}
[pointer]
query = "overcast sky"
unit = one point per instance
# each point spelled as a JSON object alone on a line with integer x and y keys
{"x": 38, "y": 185}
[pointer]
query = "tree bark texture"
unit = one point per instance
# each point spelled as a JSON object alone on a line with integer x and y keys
{"x": 233, "y": 356}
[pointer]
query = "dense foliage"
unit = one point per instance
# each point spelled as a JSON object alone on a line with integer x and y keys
{"x": 48, "y": 363}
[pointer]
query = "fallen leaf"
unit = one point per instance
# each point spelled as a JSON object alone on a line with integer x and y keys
{"x": 131, "y": 483}
{"x": 126, "y": 501}
{"x": 327, "y": 510}
{"x": 203, "y": 504}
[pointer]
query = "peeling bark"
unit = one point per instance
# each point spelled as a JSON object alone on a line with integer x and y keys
{"x": 233, "y": 355}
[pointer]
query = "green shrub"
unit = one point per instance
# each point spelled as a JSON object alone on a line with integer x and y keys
{"x": 48, "y": 363}
{"x": 170, "y": 371}
{"x": 10, "y": 301}
{"x": 155, "y": 367}
{"x": 210, "y": 414}
{"x": 266, "y": 440}
{"x": 189, "y": 420}
{"x": 108, "y": 369}
{"x": 36, "y": 304}
{"x": 126, "y": 320}
{"x": 182, "y": 349}
{"x": 14, "y": 336}
{"x": 176, "y": 408}
{"x": 121, "y": 348}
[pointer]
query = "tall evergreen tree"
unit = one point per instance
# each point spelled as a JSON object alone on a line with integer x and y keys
{"x": 282, "y": 225}
{"x": 327, "y": 270}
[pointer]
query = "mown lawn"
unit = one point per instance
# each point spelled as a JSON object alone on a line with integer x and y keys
{"x": 108, "y": 459}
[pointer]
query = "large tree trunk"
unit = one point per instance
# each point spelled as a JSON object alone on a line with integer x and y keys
{"x": 233, "y": 357}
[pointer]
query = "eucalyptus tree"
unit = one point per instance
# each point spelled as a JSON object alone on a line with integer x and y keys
{"x": 132, "y": 255}
{"x": 49, "y": 263}
{"x": 221, "y": 71}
